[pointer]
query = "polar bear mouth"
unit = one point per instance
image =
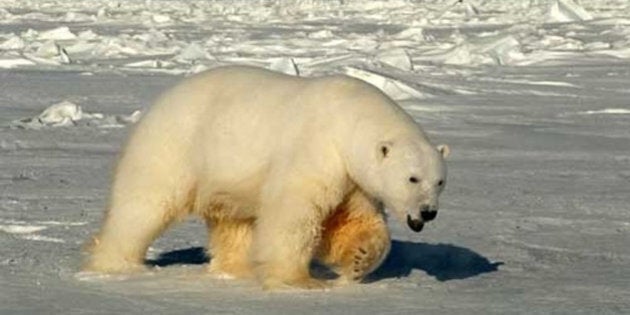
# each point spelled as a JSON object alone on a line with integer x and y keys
{"x": 415, "y": 224}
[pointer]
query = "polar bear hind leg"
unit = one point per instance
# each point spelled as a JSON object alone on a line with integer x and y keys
{"x": 229, "y": 246}
{"x": 129, "y": 228}
{"x": 145, "y": 200}
{"x": 355, "y": 239}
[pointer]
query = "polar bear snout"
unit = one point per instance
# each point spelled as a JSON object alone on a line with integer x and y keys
{"x": 427, "y": 213}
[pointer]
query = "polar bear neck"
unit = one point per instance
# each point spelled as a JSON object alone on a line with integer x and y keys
{"x": 374, "y": 119}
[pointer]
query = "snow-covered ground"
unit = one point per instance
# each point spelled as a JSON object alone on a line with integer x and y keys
{"x": 532, "y": 96}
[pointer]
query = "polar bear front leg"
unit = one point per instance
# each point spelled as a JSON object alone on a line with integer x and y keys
{"x": 285, "y": 237}
{"x": 355, "y": 239}
{"x": 229, "y": 245}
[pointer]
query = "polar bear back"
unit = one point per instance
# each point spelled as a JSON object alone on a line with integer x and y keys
{"x": 224, "y": 130}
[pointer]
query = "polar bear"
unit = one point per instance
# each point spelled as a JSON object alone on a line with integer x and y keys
{"x": 282, "y": 169}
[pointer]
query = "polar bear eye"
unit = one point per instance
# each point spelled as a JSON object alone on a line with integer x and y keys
{"x": 384, "y": 150}
{"x": 440, "y": 183}
{"x": 413, "y": 179}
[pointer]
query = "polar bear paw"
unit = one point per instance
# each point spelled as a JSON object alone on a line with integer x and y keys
{"x": 362, "y": 260}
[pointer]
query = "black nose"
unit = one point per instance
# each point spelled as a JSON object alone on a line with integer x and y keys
{"x": 428, "y": 215}
{"x": 415, "y": 225}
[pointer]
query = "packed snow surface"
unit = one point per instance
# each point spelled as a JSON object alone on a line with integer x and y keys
{"x": 532, "y": 96}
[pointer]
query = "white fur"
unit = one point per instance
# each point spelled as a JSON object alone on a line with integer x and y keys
{"x": 240, "y": 143}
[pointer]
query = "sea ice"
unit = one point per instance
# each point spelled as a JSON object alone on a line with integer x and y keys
{"x": 567, "y": 11}
{"x": 609, "y": 111}
{"x": 191, "y": 53}
{"x": 397, "y": 58}
{"x": 285, "y": 65}
{"x": 21, "y": 229}
{"x": 13, "y": 43}
{"x": 66, "y": 113}
{"x": 392, "y": 87}
{"x": 15, "y": 63}
{"x": 60, "y": 33}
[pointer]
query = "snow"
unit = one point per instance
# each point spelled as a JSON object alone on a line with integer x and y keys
{"x": 60, "y": 33}
{"x": 15, "y": 62}
{"x": 66, "y": 114}
{"x": 397, "y": 58}
{"x": 612, "y": 111}
{"x": 567, "y": 11}
{"x": 531, "y": 96}
{"x": 20, "y": 229}
{"x": 42, "y": 238}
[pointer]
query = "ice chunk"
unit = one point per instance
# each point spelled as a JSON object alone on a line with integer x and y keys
{"x": 609, "y": 111}
{"x": 161, "y": 18}
{"x": 192, "y": 52}
{"x": 61, "y": 113}
{"x": 412, "y": 33}
{"x": 81, "y": 48}
{"x": 26, "y": 232}
{"x": 88, "y": 35}
{"x": 57, "y": 115}
{"x": 5, "y": 15}
{"x": 48, "y": 49}
{"x": 621, "y": 53}
{"x": 13, "y": 43}
{"x": 21, "y": 229}
{"x": 397, "y": 58}
{"x": 113, "y": 47}
{"x": 64, "y": 57}
{"x": 77, "y": 17}
{"x": 152, "y": 37}
{"x": 145, "y": 64}
{"x": 130, "y": 119}
{"x": 42, "y": 238}
{"x": 118, "y": 121}
{"x": 197, "y": 68}
{"x": 567, "y": 11}
{"x": 394, "y": 88}
{"x": 363, "y": 44}
{"x": 471, "y": 9}
{"x": 101, "y": 13}
{"x": 60, "y": 33}
{"x": 285, "y": 65}
{"x": 504, "y": 50}
{"x": 461, "y": 55}
{"x": 15, "y": 62}
{"x": 51, "y": 54}
{"x": 29, "y": 34}
{"x": 69, "y": 114}
{"x": 320, "y": 34}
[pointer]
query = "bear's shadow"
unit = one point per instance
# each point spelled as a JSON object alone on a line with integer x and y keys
{"x": 442, "y": 261}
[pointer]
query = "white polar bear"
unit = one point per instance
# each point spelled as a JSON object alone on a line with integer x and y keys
{"x": 283, "y": 170}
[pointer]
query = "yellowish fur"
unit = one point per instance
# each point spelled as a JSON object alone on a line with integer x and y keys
{"x": 283, "y": 170}
{"x": 354, "y": 241}
{"x": 229, "y": 245}
{"x": 355, "y": 238}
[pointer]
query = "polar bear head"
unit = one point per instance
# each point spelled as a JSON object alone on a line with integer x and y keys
{"x": 407, "y": 175}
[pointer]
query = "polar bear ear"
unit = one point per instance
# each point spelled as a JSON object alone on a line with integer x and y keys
{"x": 384, "y": 149}
{"x": 444, "y": 150}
